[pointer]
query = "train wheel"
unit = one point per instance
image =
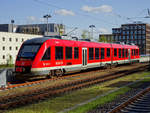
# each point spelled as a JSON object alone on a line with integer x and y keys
{"x": 105, "y": 66}
{"x": 109, "y": 66}
{"x": 58, "y": 72}
{"x": 49, "y": 75}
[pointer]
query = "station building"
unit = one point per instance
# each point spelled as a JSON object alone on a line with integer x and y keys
{"x": 36, "y": 29}
{"x": 10, "y": 44}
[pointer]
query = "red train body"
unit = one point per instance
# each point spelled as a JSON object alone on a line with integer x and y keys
{"x": 52, "y": 56}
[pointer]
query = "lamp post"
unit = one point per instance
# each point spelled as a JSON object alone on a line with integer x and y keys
{"x": 92, "y": 26}
{"x": 12, "y": 22}
{"x": 47, "y": 16}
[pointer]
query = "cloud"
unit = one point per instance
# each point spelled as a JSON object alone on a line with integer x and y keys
{"x": 31, "y": 18}
{"x": 65, "y": 12}
{"x": 99, "y": 9}
{"x": 103, "y": 30}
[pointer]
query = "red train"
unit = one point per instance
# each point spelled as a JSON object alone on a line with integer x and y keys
{"x": 52, "y": 56}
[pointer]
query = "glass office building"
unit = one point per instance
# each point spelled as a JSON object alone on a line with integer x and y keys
{"x": 137, "y": 33}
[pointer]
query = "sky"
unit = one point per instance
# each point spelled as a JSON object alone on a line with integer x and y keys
{"x": 80, "y": 14}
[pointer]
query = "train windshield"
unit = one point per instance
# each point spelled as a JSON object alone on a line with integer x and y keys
{"x": 28, "y": 51}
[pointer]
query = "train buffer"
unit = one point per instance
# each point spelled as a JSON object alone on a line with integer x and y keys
{"x": 6, "y": 75}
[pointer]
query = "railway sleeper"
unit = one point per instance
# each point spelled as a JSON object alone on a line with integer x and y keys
{"x": 130, "y": 110}
{"x": 139, "y": 107}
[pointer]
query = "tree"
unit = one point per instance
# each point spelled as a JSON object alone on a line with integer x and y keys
{"x": 85, "y": 34}
{"x": 102, "y": 39}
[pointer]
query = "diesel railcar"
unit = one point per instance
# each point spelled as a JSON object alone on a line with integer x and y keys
{"x": 54, "y": 57}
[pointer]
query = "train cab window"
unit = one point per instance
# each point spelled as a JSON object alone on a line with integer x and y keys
{"x": 47, "y": 54}
{"x": 108, "y": 52}
{"x": 58, "y": 53}
{"x": 68, "y": 52}
{"x": 115, "y": 52}
{"x": 123, "y": 53}
{"x": 102, "y": 53}
{"x": 76, "y": 52}
{"x": 119, "y": 53}
{"x": 91, "y": 54}
{"x": 96, "y": 53}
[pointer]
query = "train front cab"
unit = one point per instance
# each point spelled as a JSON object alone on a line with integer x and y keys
{"x": 25, "y": 58}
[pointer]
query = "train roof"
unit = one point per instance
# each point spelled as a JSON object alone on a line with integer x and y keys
{"x": 41, "y": 40}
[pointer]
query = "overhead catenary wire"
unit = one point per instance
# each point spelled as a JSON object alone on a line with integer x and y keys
{"x": 81, "y": 14}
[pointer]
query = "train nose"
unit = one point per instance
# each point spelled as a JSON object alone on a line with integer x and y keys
{"x": 23, "y": 66}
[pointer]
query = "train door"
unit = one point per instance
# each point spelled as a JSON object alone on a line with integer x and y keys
{"x": 84, "y": 56}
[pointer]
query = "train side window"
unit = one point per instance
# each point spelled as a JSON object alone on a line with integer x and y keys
{"x": 96, "y": 53}
{"x": 119, "y": 53}
{"x": 126, "y": 51}
{"x": 123, "y": 53}
{"x": 58, "y": 53}
{"x": 102, "y": 53}
{"x": 108, "y": 52}
{"x": 132, "y": 52}
{"x": 68, "y": 52}
{"x": 137, "y": 52}
{"x": 91, "y": 54}
{"x": 115, "y": 52}
{"x": 76, "y": 52}
{"x": 47, "y": 54}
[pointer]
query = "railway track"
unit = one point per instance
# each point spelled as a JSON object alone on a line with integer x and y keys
{"x": 139, "y": 103}
{"x": 40, "y": 81}
{"x": 12, "y": 101}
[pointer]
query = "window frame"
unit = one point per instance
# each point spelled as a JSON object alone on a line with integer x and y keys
{"x": 76, "y": 52}
{"x": 126, "y": 53}
{"x": 123, "y": 53}
{"x": 102, "y": 53}
{"x": 68, "y": 53}
{"x": 108, "y": 52}
{"x": 59, "y": 56}
{"x": 91, "y": 53}
{"x": 115, "y": 52}
{"x": 96, "y": 53}
{"x": 44, "y": 55}
{"x": 120, "y": 51}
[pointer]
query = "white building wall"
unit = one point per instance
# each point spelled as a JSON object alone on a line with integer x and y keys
{"x": 10, "y": 44}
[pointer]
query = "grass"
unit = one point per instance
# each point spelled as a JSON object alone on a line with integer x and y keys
{"x": 58, "y": 104}
{"x": 7, "y": 66}
{"x": 100, "y": 101}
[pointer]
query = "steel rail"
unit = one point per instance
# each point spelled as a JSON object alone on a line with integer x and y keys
{"x": 124, "y": 107}
{"x": 36, "y": 95}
